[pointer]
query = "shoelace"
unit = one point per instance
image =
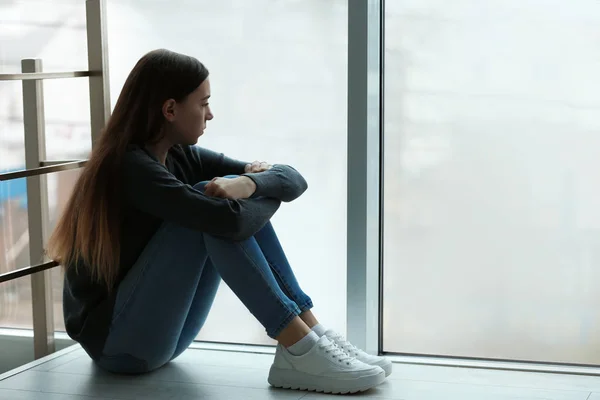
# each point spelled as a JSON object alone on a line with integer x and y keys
{"x": 337, "y": 353}
{"x": 346, "y": 345}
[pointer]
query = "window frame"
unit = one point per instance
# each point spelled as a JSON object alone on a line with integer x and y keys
{"x": 365, "y": 172}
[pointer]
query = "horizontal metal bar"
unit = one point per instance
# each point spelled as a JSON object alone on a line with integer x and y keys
{"x": 7, "y": 176}
{"x": 26, "y": 76}
{"x": 495, "y": 364}
{"x": 50, "y": 163}
{"x": 19, "y": 273}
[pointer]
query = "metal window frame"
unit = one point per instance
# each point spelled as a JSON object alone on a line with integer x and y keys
{"x": 364, "y": 223}
{"x": 97, "y": 43}
{"x": 36, "y": 165}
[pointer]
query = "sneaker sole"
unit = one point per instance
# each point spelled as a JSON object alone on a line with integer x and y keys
{"x": 388, "y": 367}
{"x": 296, "y": 380}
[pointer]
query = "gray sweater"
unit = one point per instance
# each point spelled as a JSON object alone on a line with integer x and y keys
{"x": 152, "y": 194}
{"x": 167, "y": 192}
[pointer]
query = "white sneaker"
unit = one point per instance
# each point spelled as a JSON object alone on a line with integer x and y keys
{"x": 325, "y": 368}
{"x": 359, "y": 354}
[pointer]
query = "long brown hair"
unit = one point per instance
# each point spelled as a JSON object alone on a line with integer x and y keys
{"x": 87, "y": 233}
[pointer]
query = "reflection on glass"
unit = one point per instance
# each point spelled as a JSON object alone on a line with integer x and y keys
{"x": 492, "y": 229}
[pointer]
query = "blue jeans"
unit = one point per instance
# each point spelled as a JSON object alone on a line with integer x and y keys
{"x": 164, "y": 300}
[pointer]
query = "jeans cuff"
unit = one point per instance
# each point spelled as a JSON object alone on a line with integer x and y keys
{"x": 288, "y": 318}
{"x": 307, "y": 305}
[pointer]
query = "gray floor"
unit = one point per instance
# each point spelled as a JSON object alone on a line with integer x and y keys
{"x": 206, "y": 374}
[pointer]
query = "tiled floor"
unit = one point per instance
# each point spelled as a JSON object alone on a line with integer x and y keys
{"x": 206, "y": 374}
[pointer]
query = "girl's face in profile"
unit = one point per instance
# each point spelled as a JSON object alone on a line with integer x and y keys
{"x": 187, "y": 119}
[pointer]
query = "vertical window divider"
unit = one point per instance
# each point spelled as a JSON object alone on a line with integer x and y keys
{"x": 364, "y": 173}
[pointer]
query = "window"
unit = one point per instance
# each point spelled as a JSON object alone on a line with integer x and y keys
{"x": 278, "y": 78}
{"x": 278, "y": 74}
{"x": 15, "y": 295}
{"x": 54, "y": 32}
{"x": 491, "y": 226}
{"x": 14, "y": 250}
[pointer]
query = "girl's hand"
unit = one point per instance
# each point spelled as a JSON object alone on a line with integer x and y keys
{"x": 231, "y": 188}
{"x": 257, "y": 166}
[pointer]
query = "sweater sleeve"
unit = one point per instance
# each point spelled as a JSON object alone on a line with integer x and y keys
{"x": 151, "y": 188}
{"x": 211, "y": 164}
{"x": 281, "y": 182}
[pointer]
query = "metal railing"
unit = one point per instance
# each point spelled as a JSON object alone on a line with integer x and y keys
{"x": 30, "y": 76}
{"x": 36, "y": 165}
{"x": 25, "y": 271}
{"x": 46, "y": 168}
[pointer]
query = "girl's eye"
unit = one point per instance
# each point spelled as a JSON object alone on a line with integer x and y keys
{"x": 205, "y": 105}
